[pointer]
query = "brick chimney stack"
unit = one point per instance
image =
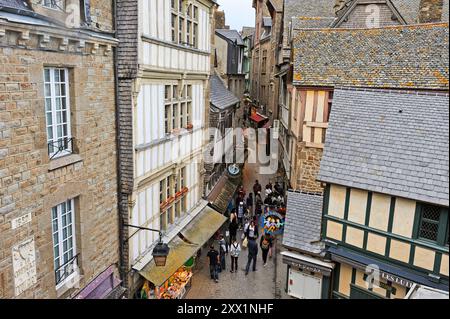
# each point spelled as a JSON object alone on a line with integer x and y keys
{"x": 339, "y": 5}
{"x": 219, "y": 17}
{"x": 431, "y": 11}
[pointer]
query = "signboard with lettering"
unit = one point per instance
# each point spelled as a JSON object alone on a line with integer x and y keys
{"x": 24, "y": 266}
{"x": 20, "y": 221}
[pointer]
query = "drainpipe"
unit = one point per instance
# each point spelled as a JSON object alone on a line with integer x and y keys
{"x": 122, "y": 269}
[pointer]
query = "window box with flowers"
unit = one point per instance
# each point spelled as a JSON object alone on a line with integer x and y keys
{"x": 190, "y": 126}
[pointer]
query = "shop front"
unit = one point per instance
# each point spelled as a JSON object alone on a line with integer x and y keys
{"x": 174, "y": 280}
{"x": 307, "y": 277}
{"x": 359, "y": 276}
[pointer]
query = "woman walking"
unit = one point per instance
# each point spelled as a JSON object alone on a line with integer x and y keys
{"x": 265, "y": 244}
{"x": 235, "y": 251}
{"x": 250, "y": 203}
{"x": 233, "y": 227}
{"x": 252, "y": 231}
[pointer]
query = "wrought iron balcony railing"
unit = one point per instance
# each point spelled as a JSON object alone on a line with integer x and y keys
{"x": 58, "y": 147}
{"x": 67, "y": 269}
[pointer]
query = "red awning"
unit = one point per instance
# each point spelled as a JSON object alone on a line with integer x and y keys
{"x": 256, "y": 117}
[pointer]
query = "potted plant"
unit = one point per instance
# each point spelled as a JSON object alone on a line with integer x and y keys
{"x": 190, "y": 126}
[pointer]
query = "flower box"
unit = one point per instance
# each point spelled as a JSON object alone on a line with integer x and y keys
{"x": 185, "y": 190}
{"x": 178, "y": 194}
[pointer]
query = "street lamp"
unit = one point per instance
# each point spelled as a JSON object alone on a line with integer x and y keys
{"x": 161, "y": 250}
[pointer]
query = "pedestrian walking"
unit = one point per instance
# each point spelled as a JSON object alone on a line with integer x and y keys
{"x": 250, "y": 203}
{"x": 213, "y": 256}
{"x": 279, "y": 189}
{"x": 257, "y": 187}
{"x": 252, "y": 231}
{"x": 240, "y": 214}
{"x": 268, "y": 190}
{"x": 265, "y": 244}
{"x": 235, "y": 251}
{"x": 223, "y": 251}
{"x": 233, "y": 228}
{"x": 258, "y": 204}
{"x": 252, "y": 255}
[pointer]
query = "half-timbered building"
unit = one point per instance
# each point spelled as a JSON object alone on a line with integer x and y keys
{"x": 163, "y": 74}
{"x": 346, "y": 60}
{"x": 385, "y": 211}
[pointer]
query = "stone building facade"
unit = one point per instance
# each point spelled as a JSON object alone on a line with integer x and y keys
{"x": 58, "y": 167}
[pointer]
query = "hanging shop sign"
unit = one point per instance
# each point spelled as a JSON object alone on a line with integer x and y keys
{"x": 272, "y": 222}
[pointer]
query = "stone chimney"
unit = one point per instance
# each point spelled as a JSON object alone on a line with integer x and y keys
{"x": 219, "y": 17}
{"x": 431, "y": 11}
{"x": 339, "y": 5}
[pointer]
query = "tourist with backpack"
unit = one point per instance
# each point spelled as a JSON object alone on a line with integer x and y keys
{"x": 265, "y": 244}
{"x": 235, "y": 251}
{"x": 223, "y": 251}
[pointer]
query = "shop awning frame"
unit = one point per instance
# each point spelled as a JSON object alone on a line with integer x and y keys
{"x": 199, "y": 230}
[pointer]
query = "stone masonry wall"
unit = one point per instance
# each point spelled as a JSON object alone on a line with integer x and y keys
{"x": 27, "y": 182}
{"x": 308, "y": 165}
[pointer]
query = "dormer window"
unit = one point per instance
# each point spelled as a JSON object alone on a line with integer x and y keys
{"x": 54, "y": 4}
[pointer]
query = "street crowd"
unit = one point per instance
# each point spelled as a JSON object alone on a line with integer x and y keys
{"x": 245, "y": 215}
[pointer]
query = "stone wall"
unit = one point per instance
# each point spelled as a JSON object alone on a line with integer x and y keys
{"x": 32, "y": 183}
{"x": 102, "y": 12}
{"x": 306, "y": 169}
{"x": 431, "y": 11}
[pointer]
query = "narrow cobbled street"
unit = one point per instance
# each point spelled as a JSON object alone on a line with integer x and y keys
{"x": 265, "y": 283}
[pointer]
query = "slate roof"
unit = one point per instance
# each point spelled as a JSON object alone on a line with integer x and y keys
{"x": 311, "y": 22}
{"x": 388, "y": 142}
{"x": 231, "y": 35}
{"x": 308, "y": 8}
{"x": 220, "y": 96}
{"x": 15, "y": 4}
{"x": 303, "y": 222}
{"x": 392, "y": 57}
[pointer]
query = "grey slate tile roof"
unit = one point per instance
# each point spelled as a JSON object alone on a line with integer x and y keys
{"x": 308, "y": 8}
{"x": 232, "y": 35}
{"x": 303, "y": 222}
{"x": 311, "y": 23}
{"x": 413, "y": 56}
{"x": 15, "y": 4}
{"x": 371, "y": 145}
{"x": 220, "y": 96}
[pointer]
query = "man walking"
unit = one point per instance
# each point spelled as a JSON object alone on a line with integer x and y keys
{"x": 257, "y": 187}
{"x": 252, "y": 254}
{"x": 213, "y": 256}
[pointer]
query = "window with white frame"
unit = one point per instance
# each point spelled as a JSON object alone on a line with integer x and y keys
{"x": 172, "y": 197}
{"x": 57, "y": 111}
{"x": 64, "y": 241}
{"x": 184, "y": 24}
{"x": 178, "y": 108}
{"x": 54, "y": 4}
